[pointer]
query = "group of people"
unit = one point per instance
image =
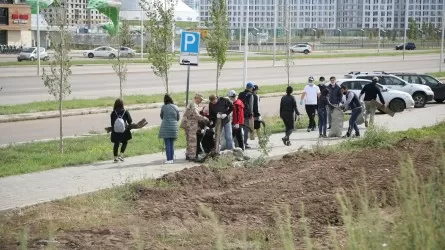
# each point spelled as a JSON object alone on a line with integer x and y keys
{"x": 322, "y": 99}
{"x": 234, "y": 116}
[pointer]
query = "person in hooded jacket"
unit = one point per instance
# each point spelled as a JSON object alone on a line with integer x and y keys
{"x": 246, "y": 98}
{"x": 256, "y": 109}
{"x": 288, "y": 113}
{"x": 237, "y": 118}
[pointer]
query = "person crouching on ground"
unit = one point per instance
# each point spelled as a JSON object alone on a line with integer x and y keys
{"x": 323, "y": 108}
{"x": 190, "y": 125}
{"x": 221, "y": 108}
{"x": 120, "y": 124}
{"x": 169, "y": 127}
{"x": 237, "y": 118}
{"x": 352, "y": 103}
{"x": 288, "y": 108}
{"x": 310, "y": 97}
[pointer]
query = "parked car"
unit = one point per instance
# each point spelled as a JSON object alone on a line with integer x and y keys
{"x": 420, "y": 93}
{"x": 301, "y": 48}
{"x": 437, "y": 86}
{"x": 126, "y": 52}
{"x": 397, "y": 101}
{"x": 30, "y": 54}
{"x": 408, "y": 46}
{"x": 103, "y": 51}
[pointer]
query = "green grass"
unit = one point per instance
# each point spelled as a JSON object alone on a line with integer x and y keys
{"x": 39, "y": 156}
{"x": 438, "y": 74}
{"x": 237, "y": 58}
{"x": 131, "y": 99}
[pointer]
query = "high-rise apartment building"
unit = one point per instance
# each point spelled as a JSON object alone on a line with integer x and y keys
{"x": 330, "y": 14}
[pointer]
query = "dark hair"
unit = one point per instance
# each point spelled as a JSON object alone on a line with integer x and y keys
{"x": 344, "y": 87}
{"x": 118, "y": 105}
{"x": 325, "y": 92}
{"x": 289, "y": 90}
{"x": 212, "y": 98}
{"x": 321, "y": 78}
{"x": 168, "y": 99}
{"x": 332, "y": 77}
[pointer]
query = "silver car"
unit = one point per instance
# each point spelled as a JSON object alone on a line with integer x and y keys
{"x": 30, "y": 54}
{"x": 126, "y": 52}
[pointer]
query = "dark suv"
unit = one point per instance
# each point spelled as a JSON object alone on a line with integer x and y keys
{"x": 408, "y": 46}
{"x": 437, "y": 86}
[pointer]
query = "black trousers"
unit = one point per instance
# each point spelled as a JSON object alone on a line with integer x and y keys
{"x": 288, "y": 120}
{"x": 310, "y": 111}
{"x": 239, "y": 135}
{"x": 116, "y": 148}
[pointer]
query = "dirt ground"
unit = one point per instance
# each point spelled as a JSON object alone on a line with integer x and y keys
{"x": 246, "y": 201}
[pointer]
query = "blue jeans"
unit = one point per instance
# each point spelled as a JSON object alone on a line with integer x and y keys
{"x": 354, "y": 116}
{"x": 227, "y": 128}
{"x": 322, "y": 121}
{"x": 169, "y": 148}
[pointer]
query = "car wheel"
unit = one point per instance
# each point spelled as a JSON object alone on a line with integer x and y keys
{"x": 46, "y": 58}
{"x": 112, "y": 56}
{"x": 419, "y": 100}
{"x": 19, "y": 60}
{"x": 439, "y": 100}
{"x": 397, "y": 105}
{"x": 90, "y": 55}
{"x": 32, "y": 59}
{"x": 306, "y": 52}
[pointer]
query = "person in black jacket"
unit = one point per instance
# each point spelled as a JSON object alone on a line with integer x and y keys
{"x": 245, "y": 97}
{"x": 288, "y": 113}
{"x": 324, "y": 107}
{"x": 352, "y": 103}
{"x": 120, "y": 138}
{"x": 256, "y": 108}
{"x": 335, "y": 97}
{"x": 221, "y": 108}
{"x": 371, "y": 91}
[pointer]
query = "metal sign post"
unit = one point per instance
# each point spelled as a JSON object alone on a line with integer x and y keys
{"x": 189, "y": 55}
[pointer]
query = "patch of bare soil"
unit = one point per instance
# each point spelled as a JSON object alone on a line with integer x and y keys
{"x": 245, "y": 200}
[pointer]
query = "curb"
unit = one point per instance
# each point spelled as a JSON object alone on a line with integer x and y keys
{"x": 90, "y": 111}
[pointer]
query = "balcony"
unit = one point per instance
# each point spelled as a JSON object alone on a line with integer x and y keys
{"x": 6, "y": 1}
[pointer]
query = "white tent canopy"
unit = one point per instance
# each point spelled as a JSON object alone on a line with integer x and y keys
{"x": 130, "y": 10}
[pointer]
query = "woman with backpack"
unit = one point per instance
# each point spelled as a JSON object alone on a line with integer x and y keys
{"x": 120, "y": 124}
{"x": 169, "y": 126}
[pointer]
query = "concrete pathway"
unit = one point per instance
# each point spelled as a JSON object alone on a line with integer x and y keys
{"x": 34, "y": 188}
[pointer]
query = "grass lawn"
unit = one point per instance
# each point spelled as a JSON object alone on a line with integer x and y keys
{"x": 438, "y": 74}
{"x": 39, "y": 156}
{"x": 130, "y": 99}
{"x": 239, "y": 58}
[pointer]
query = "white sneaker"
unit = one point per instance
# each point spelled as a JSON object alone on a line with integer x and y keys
{"x": 168, "y": 162}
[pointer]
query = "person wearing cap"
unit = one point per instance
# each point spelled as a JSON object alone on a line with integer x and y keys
{"x": 246, "y": 98}
{"x": 288, "y": 113}
{"x": 221, "y": 108}
{"x": 352, "y": 103}
{"x": 237, "y": 118}
{"x": 371, "y": 91}
{"x": 321, "y": 83}
{"x": 190, "y": 125}
{"x": 256, "y": 109}
{"x": 335, "y": 97}
{"x": 310, "y": 97}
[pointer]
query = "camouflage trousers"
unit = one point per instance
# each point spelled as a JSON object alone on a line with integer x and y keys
{"x": 192, "y": 143}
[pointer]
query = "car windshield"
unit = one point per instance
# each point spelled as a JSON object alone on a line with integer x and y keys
{"x": 28, "y": 50}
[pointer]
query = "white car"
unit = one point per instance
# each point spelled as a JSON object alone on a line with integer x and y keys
{"x": 103, "y": 51}
{"x": 301, "y": 48}
{"x": 420, "y": 93}
{"x": 30, "y": 54}
{"x": 126, "y": 52}
{"x": 397, "y": 100}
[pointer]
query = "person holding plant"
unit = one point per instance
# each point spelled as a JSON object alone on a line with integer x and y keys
{"x": 120, "y": 125}
{"x": 169, "y": 126}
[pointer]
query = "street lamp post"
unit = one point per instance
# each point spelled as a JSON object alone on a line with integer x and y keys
{"x": 363, "y": 34}
{"x": 315, "y": 31}
{"x": 142, "y": 34}
{"x": 442, "y": 40}
{"x": 246, "y": 44}
{"x": 339, "y": 37}
{"x": 275, "y": 25}
{"x": 38, "y": 37}
{"x": 405, "y": 27}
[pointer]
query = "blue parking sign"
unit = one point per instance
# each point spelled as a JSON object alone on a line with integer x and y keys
{"x": 190, "y": 42}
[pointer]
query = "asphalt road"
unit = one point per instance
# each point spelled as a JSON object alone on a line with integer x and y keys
{"x": 20, "y": 85}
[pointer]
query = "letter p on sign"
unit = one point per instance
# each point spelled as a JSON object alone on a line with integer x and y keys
{"x": 190, "y": 42}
